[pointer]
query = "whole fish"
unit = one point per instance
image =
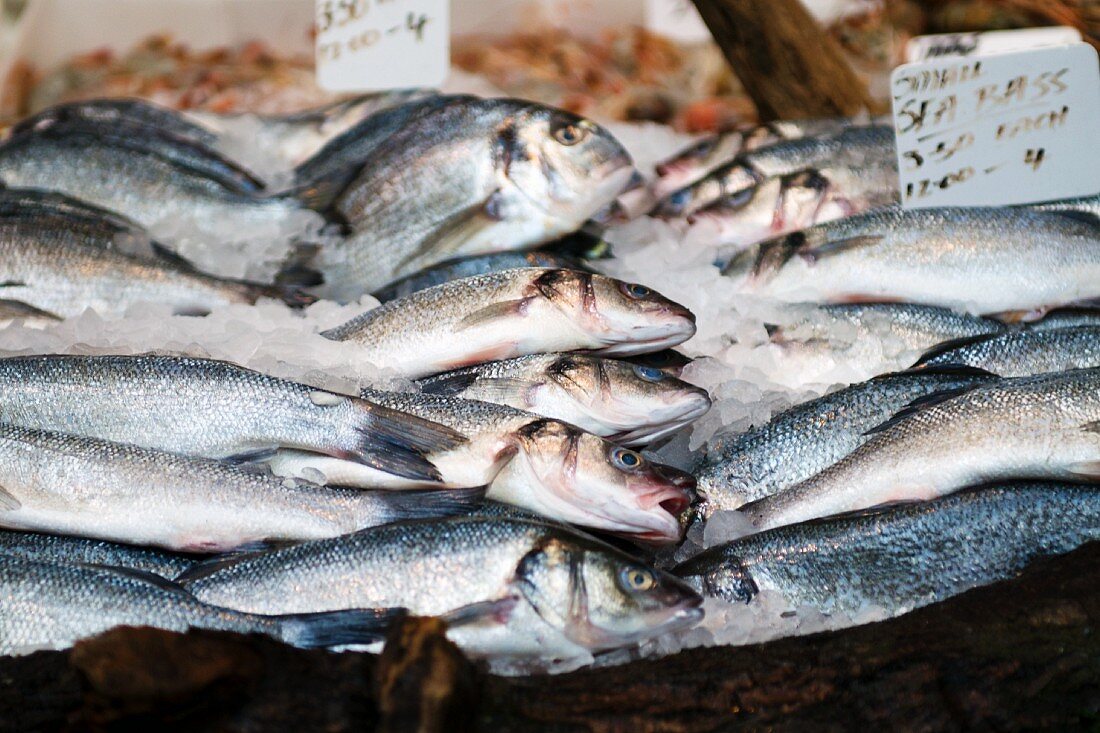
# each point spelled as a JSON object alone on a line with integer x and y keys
{"x": 545, "y": 466}
{"x": 64, "y": 267}
{"x": 204, "y": 407}
{"x": 165, "y": 183}
{"x": 804, "y": 440}
{"x": 64, "y": 484}
{"x": 853, "y": 147}
{"x": 1033, "y": 427}
{"x": 65, "y": 550}
{"x": 625, "y": 403}
{"x": 515, "y": 313}
{"x": 471, "y": 177}
{"x": 49, "y": 606}
{"x": 703, "y": 156}
{"x": 527, "y": 589}
{"x": 476, "y": 265}
{"x": 979, "y": 259}
{"x": 901, "y": 558}
{"x": 1023, "y": 353}
{"x": 298, "y": 135}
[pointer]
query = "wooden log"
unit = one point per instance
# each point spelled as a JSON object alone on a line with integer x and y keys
{"x": 788, "y": 65}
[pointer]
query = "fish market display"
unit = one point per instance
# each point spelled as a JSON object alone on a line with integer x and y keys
{"x": 625, "y": 403}
{"x": 210, "y": 408}
{"x": 61, "y": 549}
{"x": 903, "y": 557}
{"x": 63, "y": 484}
{"x": 465, "y": 177}
{"x": 799, "y": 443}
{"x": 546, "y": 466}
{"x": 1022, "y": 353}
{"x": 525, "y": 588}
{"x": 48, "y": 606}
{"x": 1032, "y": 427}
{"x": 982, "y": 259}
{"x": 515, "y": 313}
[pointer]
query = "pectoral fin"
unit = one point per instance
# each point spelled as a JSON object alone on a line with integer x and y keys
{"x": 503, "y": 309}
{"x": 8, "y": 502}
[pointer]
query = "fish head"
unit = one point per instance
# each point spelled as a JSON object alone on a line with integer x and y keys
{"x": 574, "y": 476}
{"x": 729, "y": 180}
{"x": 718, "y": 574}
{"x": 602, "y": 598}
{"x": 565, "y": 164}
{"x": 668, "y": 361}
{"x": 632, "y": 400}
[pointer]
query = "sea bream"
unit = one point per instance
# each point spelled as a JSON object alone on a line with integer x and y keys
{"x": 514, "y": 313}
{"x": 901, "y": 558}
{"x": 1022, "y": 353}
{"x": 542, "y": 465}
{"x": 205, "y": 407}
{"x": 64, "y": 484}
{"x": 468, "y": 177}
{"x": 984, "y": 260}
{"x": 51, "y": 606}
{"x": 625, "y": 403}
{"x": 523, "y": 588}
{"x": 1046, "y": 426}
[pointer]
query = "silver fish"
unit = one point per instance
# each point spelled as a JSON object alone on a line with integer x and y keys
{"x": 1066, "y": 317}
{"x": 901, "y": 558}
{"x": 529, "y": 589}
{"x": 1033, "y": 427}
{"x": 64, "y": 484}
{"x": 1087, "y": 205}
{"x": 982, "y": 259}
{"x": 545, "y": 466}
{"x": 853, "y": 148}
{"x": 625, "y": 403}
{"x": 211, "y": 408}
{"x": 118, "y": 110}
{"x": 1023, "y": 353}
{"x": 470, "y": 177}
{"x": 515, "y": 313}
{"x": 804, "y": 440}
{"x": 65, "y": 550}
{"x": 48, "y": 606}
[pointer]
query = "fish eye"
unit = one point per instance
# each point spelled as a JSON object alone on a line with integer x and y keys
{"x": 637, "y": 579}
{"x": 571, "y": 134}
{"x": 625, "y": 459}
{"x": 649, "y": 374}
{"x": 635, "y": 291}
{"x": 680, "y": 198}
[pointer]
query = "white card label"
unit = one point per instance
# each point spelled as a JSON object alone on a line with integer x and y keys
{"x": 924, "y": 48}
{"x": 364, "y": 45}
{"x": 676, "y": 19}
{"x": 997, "y": 130}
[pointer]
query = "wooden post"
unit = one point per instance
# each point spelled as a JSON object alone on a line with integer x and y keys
{"x": 789, "y": 66}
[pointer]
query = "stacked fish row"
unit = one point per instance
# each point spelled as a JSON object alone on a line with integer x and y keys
{"x": 989, "y": 442}
{"x": 339, "y": 511}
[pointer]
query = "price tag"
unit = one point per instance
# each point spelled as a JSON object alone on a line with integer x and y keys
{"x": 364, "y": 45}
{"x": 1012, "y": 128}
{"x": 676, "y": 19}
{"x": 923, "y": 48}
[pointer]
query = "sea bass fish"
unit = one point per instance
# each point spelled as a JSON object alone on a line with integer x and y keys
{"x": 528, "y": 589}
{"x": 1023, "y": 353}
{"x": 977, "y": 259}
{"x": 65, "y": 550}
{"x": 808, "y": 438}
{"x": 204, "y": 407}
{"x": 542, "y": 465}
{"x": 515, "y": 313}
{"x": 1032, "y": 427}
{"x": 64, "y": 484}
{"x": 48, "y": 606}
{"x": 625, "y": 403}
{"x": 470, "y": 177}
{"x": 901, "y": 558}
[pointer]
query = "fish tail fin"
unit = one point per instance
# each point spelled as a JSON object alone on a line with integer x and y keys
{"x": 431, "y": 503}
{"x": 397, "y": 442}
{"x": 338, "y": 628}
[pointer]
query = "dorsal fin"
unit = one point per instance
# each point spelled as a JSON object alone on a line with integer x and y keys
{"x": 951, "y": 345}
{"x": 143, "y": 576}
{"x": 919, "y": 405}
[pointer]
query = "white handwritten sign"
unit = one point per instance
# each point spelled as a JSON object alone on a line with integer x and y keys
{"x": 1012, "y": 128}
{"x": 364, "y": 45}
{"x": 676, "y": 19}
{"x": 929, "y": 47}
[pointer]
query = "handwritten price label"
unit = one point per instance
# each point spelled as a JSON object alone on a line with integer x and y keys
{"x": 364, "y": 45}
{"x": 1012, "y": 128}
{"x": 923, "y": 48}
